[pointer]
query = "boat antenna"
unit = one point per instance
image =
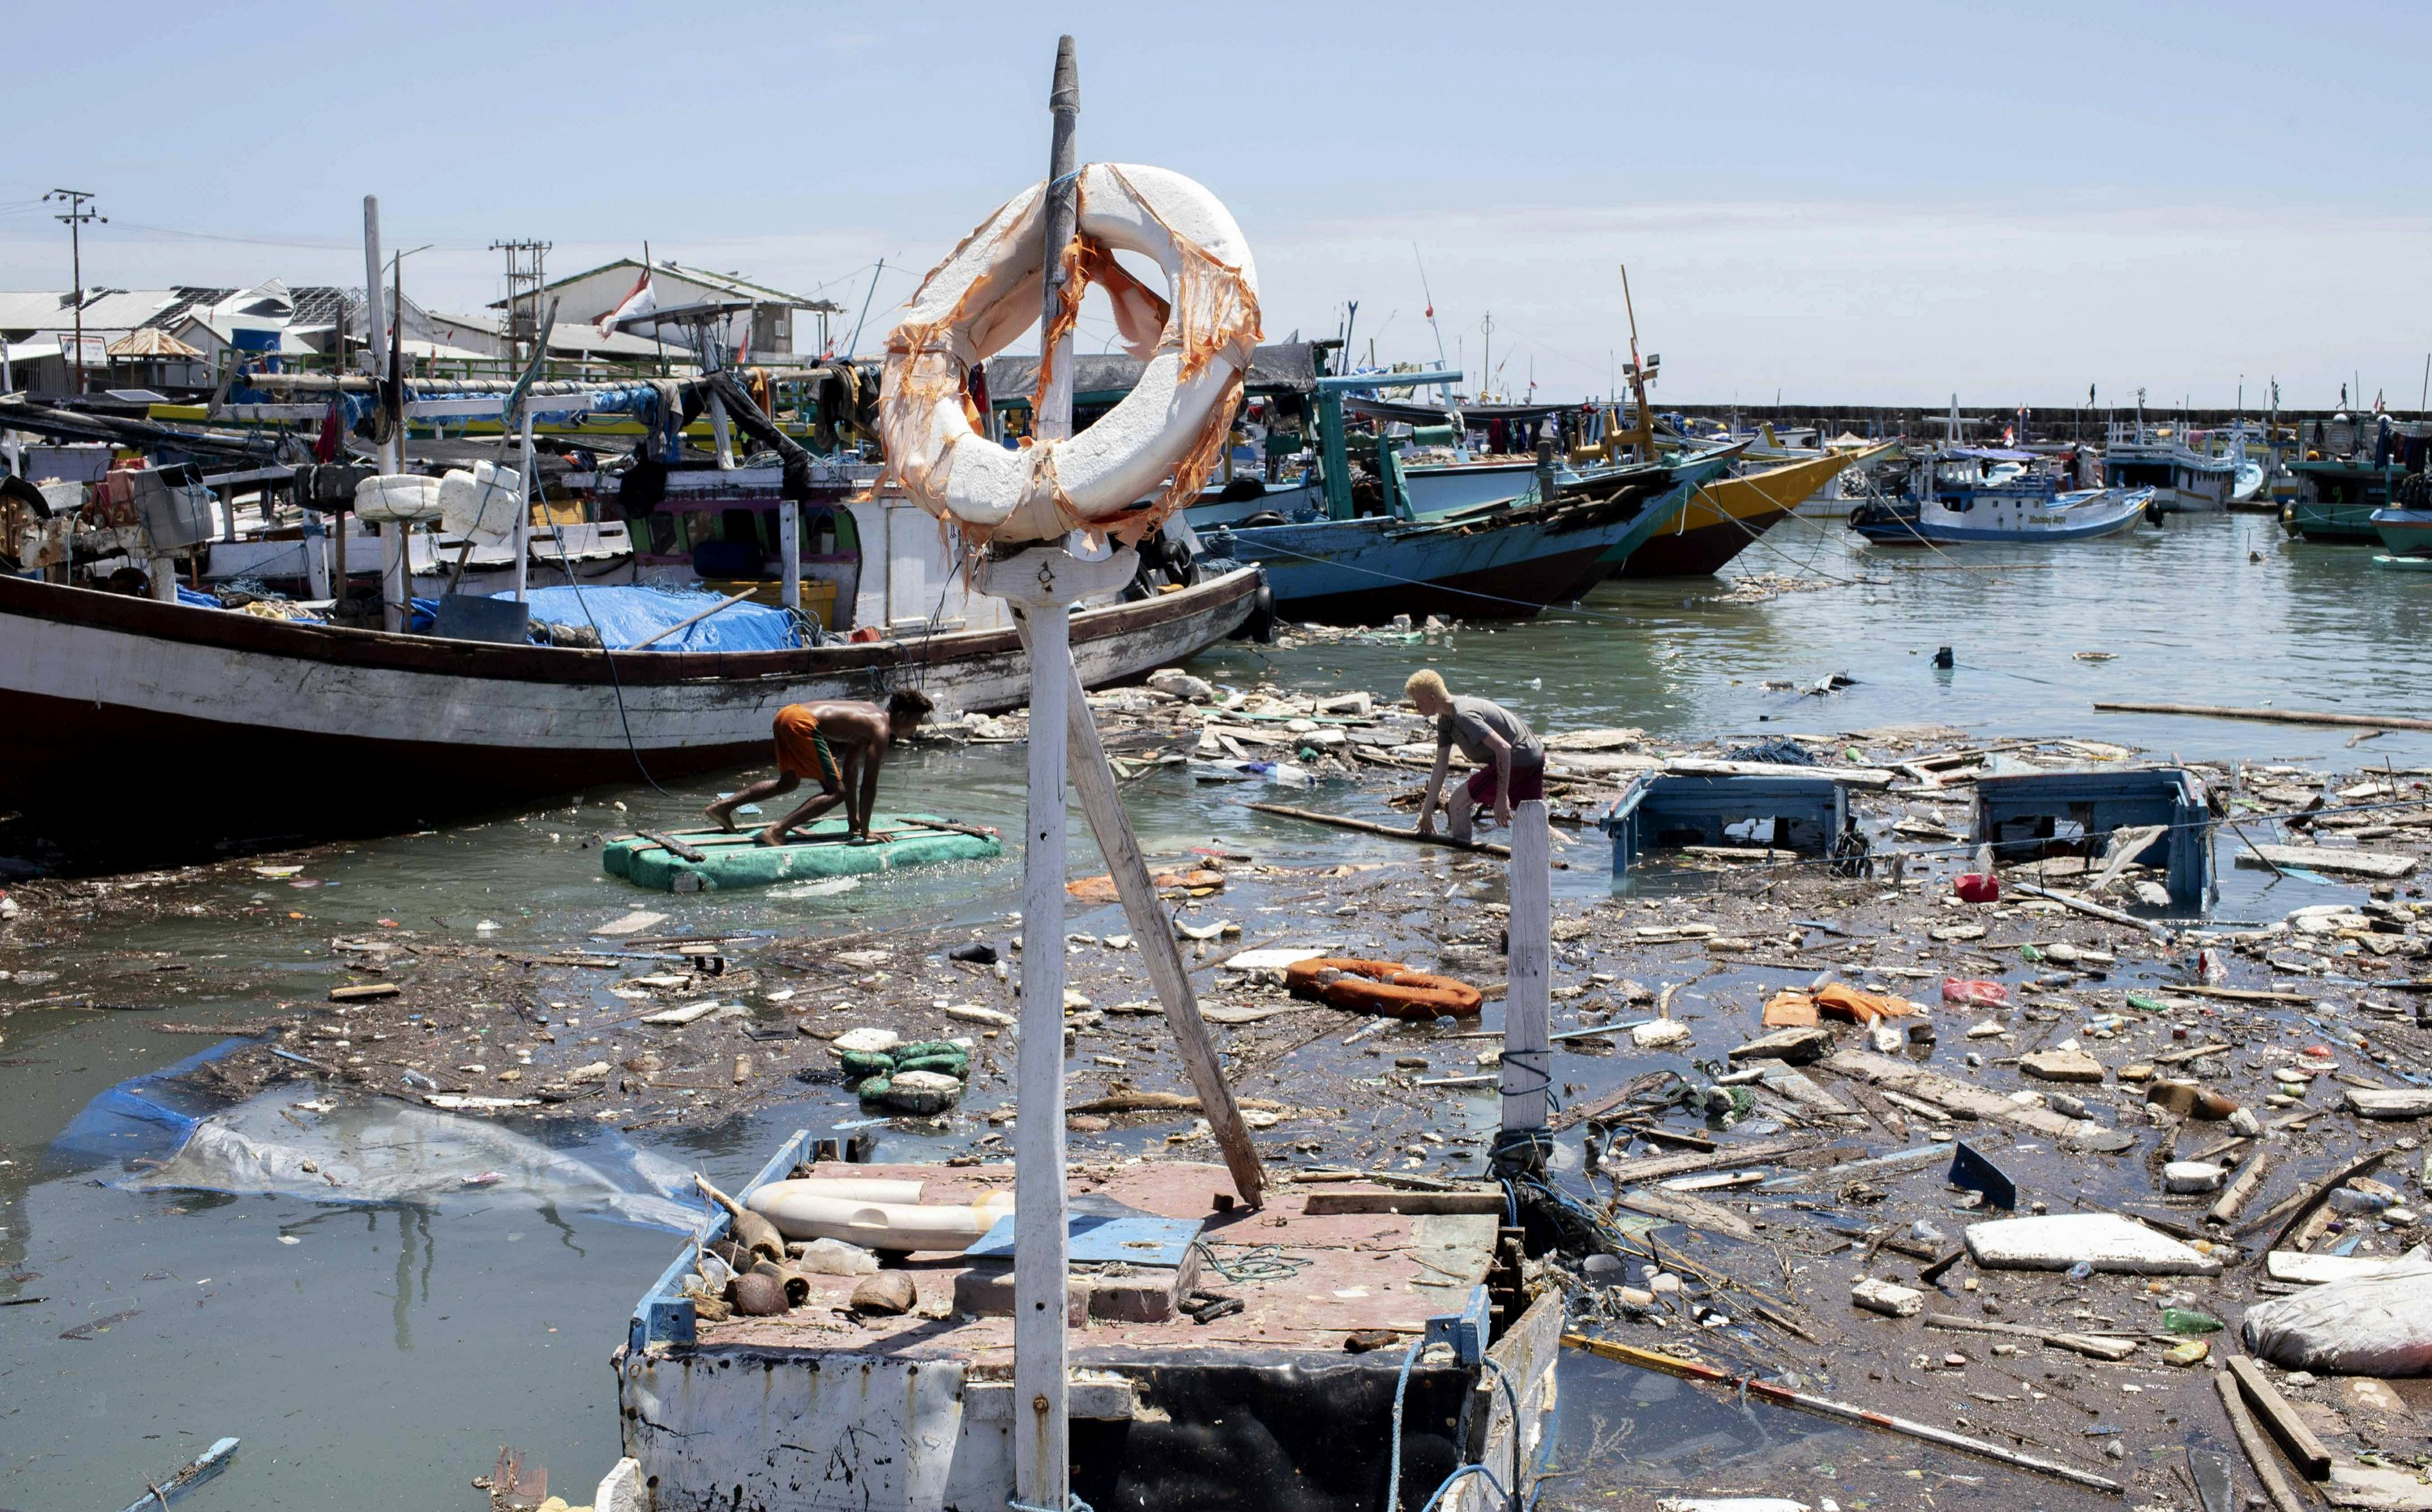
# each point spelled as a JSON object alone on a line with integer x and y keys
{"x": 1439, "y": 330}
{"x": 855, "y": 345}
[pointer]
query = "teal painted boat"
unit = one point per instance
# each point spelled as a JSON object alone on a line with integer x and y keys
{"x": 732, "y": 861}
{"x": 2339, "y": 502}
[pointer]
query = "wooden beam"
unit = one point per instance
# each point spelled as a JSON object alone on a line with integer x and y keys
{"x": 2258, "y": 1453}
{"x": 1387, "y": 831}
{"x": 2276, "y": 716}
{"x": 2306, "y": 1452}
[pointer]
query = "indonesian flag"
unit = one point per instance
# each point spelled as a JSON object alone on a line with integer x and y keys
{"x": 640, "y": 301}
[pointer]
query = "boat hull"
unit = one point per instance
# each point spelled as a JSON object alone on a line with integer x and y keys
{"x": 1366, "y": 571}
{"x": 1722, "y": 519}
{"x": 261, "y": 727}
{"x": 2330, "y": 524}
{"x": 2107, "y": 513}
{"x": 2405, "y": 532}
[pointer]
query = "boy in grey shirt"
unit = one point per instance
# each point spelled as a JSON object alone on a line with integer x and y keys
{"x": 1510, "y": 760}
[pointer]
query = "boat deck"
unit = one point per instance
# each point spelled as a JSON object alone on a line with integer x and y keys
{"x": 1275, "y": 1405}
{"x": 1358, "y": 1270}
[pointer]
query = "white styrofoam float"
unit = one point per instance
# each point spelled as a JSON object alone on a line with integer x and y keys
{"x": 801, "y": 1211}
{"x": 1143, "y": 459}
{"x": 2108, "y": 1242}
{"x": 397, "y": 497}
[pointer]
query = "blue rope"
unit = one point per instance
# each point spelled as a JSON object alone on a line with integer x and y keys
{"x": 1394, "y": 1470}
{"x": 1466, "y": 1471}
{"x": 1072, "y": 1503}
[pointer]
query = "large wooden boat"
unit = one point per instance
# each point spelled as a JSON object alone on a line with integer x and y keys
{"x": 111, "y": 704}
{"x": 1723, "y": 518}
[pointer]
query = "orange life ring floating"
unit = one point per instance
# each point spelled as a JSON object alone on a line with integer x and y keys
{"x": 1381, "y": 987}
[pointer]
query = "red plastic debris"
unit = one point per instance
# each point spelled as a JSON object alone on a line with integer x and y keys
{"x": 1977, "y": 887}
{"x": 1967, "y": 991}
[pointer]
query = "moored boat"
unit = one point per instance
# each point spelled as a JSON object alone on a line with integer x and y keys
{"x": 2339, "y": 502}
{"x": 102, "y": 692}
{"x": 2182, "y": 477}
{"x": 1950, "y": 500}
{"x": 1718, "y": 521}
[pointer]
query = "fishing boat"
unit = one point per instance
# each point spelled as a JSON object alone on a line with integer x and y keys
{"x": 104, "y": 694}
{"x": 1951, "y": 499}
{"x": 1501, "y": 561}
{"x": 2406, "y": 526}
{"x": 2182, "y": 477}
{"x": 2339, "y": 502}
{"x": 1718, "y": 521}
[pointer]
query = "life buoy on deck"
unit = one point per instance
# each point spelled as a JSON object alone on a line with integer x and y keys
{"x": 1155, "y": 449}
{"x": 1381, "y": 987}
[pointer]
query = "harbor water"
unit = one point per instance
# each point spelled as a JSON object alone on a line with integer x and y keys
{"x": 379, "y": 1357}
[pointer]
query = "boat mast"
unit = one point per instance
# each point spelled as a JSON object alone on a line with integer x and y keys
{"x": 1641, "y": 436}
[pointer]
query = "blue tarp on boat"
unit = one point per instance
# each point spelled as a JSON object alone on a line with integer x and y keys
{"x": 635, "y": 612}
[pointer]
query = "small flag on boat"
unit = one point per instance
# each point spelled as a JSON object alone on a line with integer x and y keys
{"x": 640, "y": 301}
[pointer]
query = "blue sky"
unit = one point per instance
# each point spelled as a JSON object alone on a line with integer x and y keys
{"x": 1853, "y": 204}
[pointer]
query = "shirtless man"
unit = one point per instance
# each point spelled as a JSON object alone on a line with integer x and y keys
{"x": 840, "y": 744}
{"x": 1511, "y": 760}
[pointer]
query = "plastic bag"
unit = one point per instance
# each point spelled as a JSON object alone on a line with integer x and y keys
{"x": 1967, "y": 991}
{"x": 2380, "y": 1326}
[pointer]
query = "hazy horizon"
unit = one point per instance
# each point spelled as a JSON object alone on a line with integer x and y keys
{"x": 1883, "y": 211}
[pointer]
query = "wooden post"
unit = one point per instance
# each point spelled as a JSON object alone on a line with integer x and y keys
{"x": 789, "y": 546}
{"x": 1103, "y": 804}
{"x": 1054, "y": 421}
{"x": 1528, "y": 1060}
{"x": 530, "y": 490}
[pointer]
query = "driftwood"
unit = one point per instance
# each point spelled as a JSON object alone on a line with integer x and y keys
{"x": 2306, "y": 1452}
{"x": 1387, "y": 831}
{"x": 2093, "y": 1345}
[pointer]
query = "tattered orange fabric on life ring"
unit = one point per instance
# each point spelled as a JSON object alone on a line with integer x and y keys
{"x": 1150, "y": 454}
{"x": 1381, "y": 987}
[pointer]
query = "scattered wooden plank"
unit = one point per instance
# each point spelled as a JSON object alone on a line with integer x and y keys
{"x": 2239, "y": 994}
{"x": 1387, "y": 831}
{"x": 1848, "y": 777}
{"x": 2276, "y": 716}
{"x": 2092, "y": 910}
{"x": 1956, "y": 1095}
{"x": 2241, "y": 1187}
{"x": 2258, "y": 1453}
{"x": 363, "y": 992}
{"x": 2306, "y": 1452}
{"x": 1656, "y": 1167}
{"x": 2094, "y": 1347}
{"x": 1695, "y": 1213}
{"x": 1334, "y": 1204}
{"x": 674, "y": 846}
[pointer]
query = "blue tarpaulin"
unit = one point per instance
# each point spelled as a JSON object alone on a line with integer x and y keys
{"x": 631, "y": 613}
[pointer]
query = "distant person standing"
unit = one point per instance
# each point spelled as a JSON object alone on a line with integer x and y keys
{"x": 840, "y": 744}
{"x": 1510, "y": 760}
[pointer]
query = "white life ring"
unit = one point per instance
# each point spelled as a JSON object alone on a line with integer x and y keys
{"x": 1151, "y": 453}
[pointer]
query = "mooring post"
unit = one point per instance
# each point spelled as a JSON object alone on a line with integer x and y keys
{"x": 1527, "y": 1060}
{"x": 529, "y": 492}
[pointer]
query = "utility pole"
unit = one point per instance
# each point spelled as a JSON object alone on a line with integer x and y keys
{"x": 78, "y": 214}
{"x": 1486, "y": 365}
{"x": 526, "y": 276}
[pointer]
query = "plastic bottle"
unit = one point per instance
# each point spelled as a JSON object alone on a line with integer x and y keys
{"x": 2188, "y": 1321}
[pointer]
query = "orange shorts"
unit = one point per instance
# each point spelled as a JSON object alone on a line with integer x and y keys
{"x": 803, "y": 750}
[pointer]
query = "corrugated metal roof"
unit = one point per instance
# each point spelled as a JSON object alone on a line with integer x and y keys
{"x": 725, "y": 282}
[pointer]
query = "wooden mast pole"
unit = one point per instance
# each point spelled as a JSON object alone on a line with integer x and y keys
{"x": 391, "y": 452}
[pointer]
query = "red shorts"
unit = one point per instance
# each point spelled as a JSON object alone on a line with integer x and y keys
{"x": 1526, "y": 783}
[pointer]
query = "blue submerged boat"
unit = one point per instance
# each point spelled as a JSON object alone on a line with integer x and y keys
{"x": 1970, "y": 494}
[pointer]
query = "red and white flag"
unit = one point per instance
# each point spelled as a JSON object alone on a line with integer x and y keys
{"x": 643, "y": 299}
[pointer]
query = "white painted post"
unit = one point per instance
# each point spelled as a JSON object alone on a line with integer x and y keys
{"x": 397, "y": 582}
{"x": 789, "y": 546}
{"x": 316, "y": 559}
{"x": 1528, "y": 1057}
{"x": 523, "y": 510}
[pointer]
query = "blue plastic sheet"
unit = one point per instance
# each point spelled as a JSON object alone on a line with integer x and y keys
{"x": 195, "y": 601}
{"x": 147, "y": 1116}
{"x": 634, "y": 612}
